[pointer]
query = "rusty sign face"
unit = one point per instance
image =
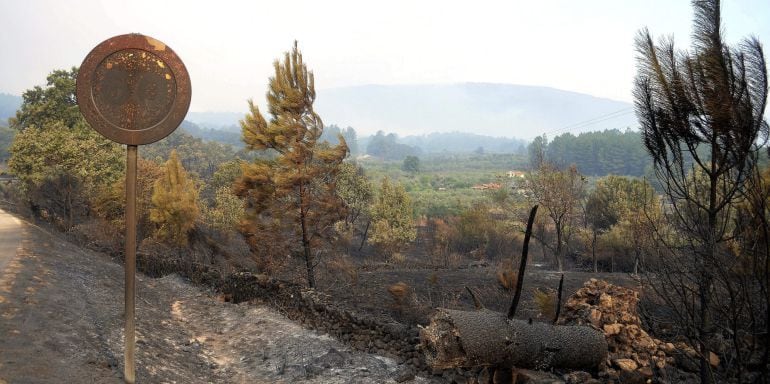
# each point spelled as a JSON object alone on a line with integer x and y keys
{"x": 133, "y": 89}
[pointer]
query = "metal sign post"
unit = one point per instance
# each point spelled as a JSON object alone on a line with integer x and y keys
{"x": 130, "y": 263}
{"x": 134, "y": 90}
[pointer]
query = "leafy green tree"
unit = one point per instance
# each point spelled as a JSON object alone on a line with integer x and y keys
{"x": 536, "y": 151}
{"x": 357, "y": 192}
{"x": 624, "y": 202}
{"x": 227, "y": 211}
{"x": 474, "y": 227}
{"x": 200, "y": 158}
{"x": 54, "y": 103}
{"x": 411, "y": 164}
{"x": 610, "y": 152}
{"x": 558, "y": 192}
{"x": 701, "y": 113}
{"x": 174, "y": 203}
{"x": 6, "y": 139}
{"x": 225, "y": 176}
{"x": 332, "y": 132}
{"x": 386, "y": 147}
{"x": 111, "y": 204}
{"x": 392, "y": 223}
{"x": 62, "y": 163}
{"x": 293, "y": 195}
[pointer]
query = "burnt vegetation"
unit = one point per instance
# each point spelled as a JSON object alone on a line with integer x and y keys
{"x": 375, "y": 231}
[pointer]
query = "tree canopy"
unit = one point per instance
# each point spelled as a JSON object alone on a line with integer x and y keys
{"x": 174, "y": 202}
{"x": 291, "y": 196}
{"x": 702, "y": 115}
{"x": 61, "y": 161}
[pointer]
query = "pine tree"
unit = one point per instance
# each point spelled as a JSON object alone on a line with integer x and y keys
{"x": 701, "y": 113}
{"x": 174, "y": 203}
{"x": 290, "y": 198}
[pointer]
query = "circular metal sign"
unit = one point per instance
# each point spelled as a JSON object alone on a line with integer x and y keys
{"x": 133, "y": 89}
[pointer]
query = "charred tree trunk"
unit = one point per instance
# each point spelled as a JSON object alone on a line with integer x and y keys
{"x": 486, "y": 338}
{"x": 559, "y": 248}
{"x": 593, "y": 252}
{"x": 363, "y": 237}
{"x": 523, "y": 263}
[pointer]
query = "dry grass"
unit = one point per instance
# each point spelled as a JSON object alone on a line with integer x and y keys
{"x": 433, "y": 279}
{"x": 455, "y": 260}
{"x": 545, "y": 301}
{"x": 343, "y": 266}
{"x": 506, "y": 276}
{"x": 399, "y": 291}
{"x": 398, "y": 258}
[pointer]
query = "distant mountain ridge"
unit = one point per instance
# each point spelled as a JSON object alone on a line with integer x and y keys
{"x": 488, "y": 109}
{"x": 505, "y": 110}
{"x": 8, "y": 106}
{"x": 227, "y": 121}
{"x": 438, "y": 142}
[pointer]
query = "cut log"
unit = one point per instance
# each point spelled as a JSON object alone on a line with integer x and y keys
{"x": 487, "y": 338}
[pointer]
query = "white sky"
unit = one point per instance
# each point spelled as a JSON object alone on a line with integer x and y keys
{"x": 229, "y": 46}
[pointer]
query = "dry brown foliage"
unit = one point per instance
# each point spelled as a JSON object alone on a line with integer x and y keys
{"x": 345, "y": 267}
{"x": 507, "y": 276}
{"x": 399, "y": 291}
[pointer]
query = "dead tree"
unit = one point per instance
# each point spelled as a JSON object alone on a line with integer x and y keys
{"x": 701, "y": 116}
{"x": 487, "y": 338}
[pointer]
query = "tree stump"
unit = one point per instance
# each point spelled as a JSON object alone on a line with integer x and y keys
{"x": 487, "y": 338}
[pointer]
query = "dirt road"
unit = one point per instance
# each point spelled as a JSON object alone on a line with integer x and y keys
{"x": 61, "y": 322}
{"x": 10, "y": 238}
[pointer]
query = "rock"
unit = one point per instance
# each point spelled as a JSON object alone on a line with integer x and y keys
{"x": 632, "y": 377}
{"x": 713, "y": 359}
{"x": 645, "y": 371}
{"x": 577, "y": 377}
{"x": 404, "y": 374}
{"x": 612, "y": 329}
{"x": 595, "y": 318}
{"x": 625, "y": 364}
{"x": 525, "y": 376}
{"x": 605, "y": 301}
{"x": 331, "y": 359}
{"x": 483, "y": 376}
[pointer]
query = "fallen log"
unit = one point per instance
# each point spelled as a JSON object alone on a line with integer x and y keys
{"x": 487, "y": 338}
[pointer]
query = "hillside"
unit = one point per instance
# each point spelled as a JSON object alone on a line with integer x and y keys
{"x": 8, "y": 106}
{"x": 440, "y": 142}
{"x": 62, "y": 322}
{"x": 497, "y": 110}
{"x": 489, "y": 109}
{"x": 227, "y": 121}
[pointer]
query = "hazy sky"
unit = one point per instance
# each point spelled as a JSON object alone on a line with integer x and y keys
{"x": 229, "y": 46}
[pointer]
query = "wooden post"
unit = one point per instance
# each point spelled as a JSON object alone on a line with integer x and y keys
{"x": 129, "y": 370}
